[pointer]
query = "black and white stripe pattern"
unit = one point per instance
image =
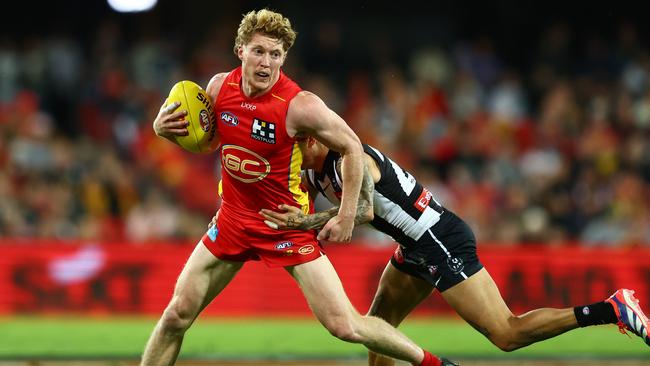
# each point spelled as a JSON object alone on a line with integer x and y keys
{"x": 403, "y": 208}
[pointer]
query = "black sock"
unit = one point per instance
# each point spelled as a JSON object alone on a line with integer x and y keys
{"x": 595, "y": 314}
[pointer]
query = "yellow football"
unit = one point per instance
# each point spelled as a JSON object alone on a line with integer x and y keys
{"x": 202, "y": 128}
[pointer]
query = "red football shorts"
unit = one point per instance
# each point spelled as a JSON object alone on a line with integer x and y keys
{"x": 242, "y": 236}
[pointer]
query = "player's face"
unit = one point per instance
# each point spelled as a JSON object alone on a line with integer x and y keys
{"x": 310, "y": 149}
{"x": 261, "y": 59}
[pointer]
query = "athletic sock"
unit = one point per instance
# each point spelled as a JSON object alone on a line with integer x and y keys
{"x": 595, "y": 314}
{"x": 429, "y": 360}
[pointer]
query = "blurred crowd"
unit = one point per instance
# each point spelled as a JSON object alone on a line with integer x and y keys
{"x": 553, "y": 150}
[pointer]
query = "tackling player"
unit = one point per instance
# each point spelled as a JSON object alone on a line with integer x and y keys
{"x": 437, "y": 250}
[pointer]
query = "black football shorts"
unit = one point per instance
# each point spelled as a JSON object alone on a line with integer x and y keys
{"x": 444, "y": 256}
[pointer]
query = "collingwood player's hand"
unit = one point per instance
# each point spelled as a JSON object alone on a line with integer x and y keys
{"x": 289, "y": 218}
{"x": 213, "y": 222}
{"x": 338, "y": 229}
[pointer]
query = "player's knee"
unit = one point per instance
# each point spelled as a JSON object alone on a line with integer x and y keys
{"x": 342, "y": 328}
{"x": 177, "y": 318}
{"x": 507, "y": 338}
{"x": 504, "y": 343}
{"x": 383, "y": 310}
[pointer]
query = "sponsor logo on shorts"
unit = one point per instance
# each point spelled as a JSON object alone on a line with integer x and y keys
{"x": 432, "y": 269}
{"x": 204, "y": 120}
{"x": 307, "y": 249}
{"x": 284, "y": 245}
{"x": 229, "y": 119}
{"x": 399, "y": 257}
{"x": 212, "y": 232}
{"x": 455, "y": 264}
{"x": 243, "y": 164}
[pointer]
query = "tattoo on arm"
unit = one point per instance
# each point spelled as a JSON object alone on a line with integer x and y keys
{"x": 313, "y": 221}
{"x": 319, "y": 219}
{"x": 365, "y": 196}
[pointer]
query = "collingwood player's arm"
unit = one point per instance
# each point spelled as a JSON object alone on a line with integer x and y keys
{"x": 294, "y": 218}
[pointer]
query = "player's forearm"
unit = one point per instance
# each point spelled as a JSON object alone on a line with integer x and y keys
{"x": 318, "y": 219}
{"x": 312, "y": 221}
{"x": 365, "y": 209}
{"x": 352, "y": 174}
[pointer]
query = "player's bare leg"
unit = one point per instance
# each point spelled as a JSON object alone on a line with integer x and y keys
{"x": 397, "y": 295}
{"x": 478, "y": 301}
{"x": 202, "y": 278}
{"x": 324, "y": 292}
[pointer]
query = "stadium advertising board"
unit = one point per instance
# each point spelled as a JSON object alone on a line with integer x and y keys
{"x": 112, "y": 278}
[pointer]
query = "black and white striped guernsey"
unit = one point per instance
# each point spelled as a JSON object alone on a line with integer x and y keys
{"x": 403, "y": 208}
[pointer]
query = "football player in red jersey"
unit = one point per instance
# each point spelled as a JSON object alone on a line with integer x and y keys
{"x": 261, "y": 117}
{"x": 437, "y": 250}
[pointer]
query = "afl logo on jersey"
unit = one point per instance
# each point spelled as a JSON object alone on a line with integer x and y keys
{"x": 229, "y": 119}
{"x": 243, "y": 164}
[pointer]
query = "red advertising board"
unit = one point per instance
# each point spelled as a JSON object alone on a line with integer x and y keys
{"x": 111, "y": 278}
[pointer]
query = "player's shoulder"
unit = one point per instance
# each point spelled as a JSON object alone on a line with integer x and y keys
{"x": 306, "y": 102}
{"x": 215, "y": 83}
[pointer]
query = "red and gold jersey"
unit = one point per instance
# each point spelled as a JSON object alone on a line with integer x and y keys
{"x": 260, "y": 161}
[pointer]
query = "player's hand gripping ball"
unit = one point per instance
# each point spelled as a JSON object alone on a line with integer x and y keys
{"x": 202, "y": 128}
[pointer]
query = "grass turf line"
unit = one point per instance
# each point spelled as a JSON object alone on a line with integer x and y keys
{"x": 279, "y": 338}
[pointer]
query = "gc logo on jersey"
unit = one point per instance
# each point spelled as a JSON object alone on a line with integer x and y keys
{"x": 243, "y": 164}
{"x": 263, "y": 131}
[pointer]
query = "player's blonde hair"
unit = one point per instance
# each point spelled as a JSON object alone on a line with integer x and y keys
{"x": 266, "y": 22}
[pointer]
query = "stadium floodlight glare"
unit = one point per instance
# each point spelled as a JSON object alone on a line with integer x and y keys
{"x": 131, "y": 6}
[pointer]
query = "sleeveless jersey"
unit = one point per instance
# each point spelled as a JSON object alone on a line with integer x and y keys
{"x": 260, "y": 163}
{"x": 403, "y": 208}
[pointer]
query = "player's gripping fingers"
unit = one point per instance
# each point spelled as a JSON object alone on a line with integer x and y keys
{"x": 272, "y": 215}
{"x": 338, "y": 236}
{"x": 325, "y": 232}
{"x": 337, "y": 230}
{"x": 161, "y": 123}
{"x": 213, "y": 222}
{"x": 177, "y": 131}
{"x": 274, "y": 220}
{"x": 289, "y": 209}
{"x": 169, "y": 108}
{"x": 177, "y": 116}
{"x": 176, "y": 127}
{"x": 272, "y": 224}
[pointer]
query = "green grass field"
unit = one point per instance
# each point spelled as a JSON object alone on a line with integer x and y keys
{"x": 280, "y": 338}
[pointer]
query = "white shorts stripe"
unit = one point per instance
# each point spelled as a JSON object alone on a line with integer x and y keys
{"x": 440, "y": 244}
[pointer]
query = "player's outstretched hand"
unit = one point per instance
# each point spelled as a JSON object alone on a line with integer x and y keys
{"x": 289, "y": 218}
{"x": 337, "y": 229}
{"x": 213, "y": 222}
{"x": 169, "y": 122}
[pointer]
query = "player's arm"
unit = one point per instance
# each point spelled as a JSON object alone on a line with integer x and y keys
{"x": 214, "y": 86}
{"x": 171, "y": 122}
{"x": 291, "y": 217}
{"x": 308, "y": 115}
